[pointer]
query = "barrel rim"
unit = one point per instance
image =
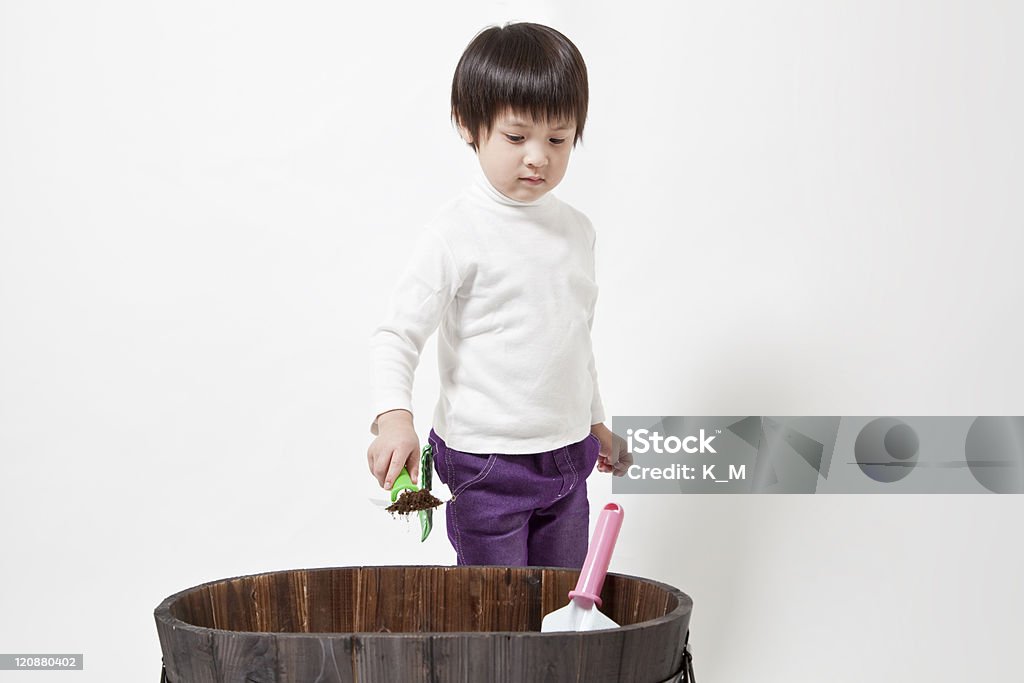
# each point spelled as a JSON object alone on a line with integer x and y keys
{"x": 684, "y": 605}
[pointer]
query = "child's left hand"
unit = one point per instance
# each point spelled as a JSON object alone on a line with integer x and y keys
{"x": 615, "y": 456}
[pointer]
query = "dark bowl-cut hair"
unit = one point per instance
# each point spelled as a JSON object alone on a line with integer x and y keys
{"x": 529, "y": 68}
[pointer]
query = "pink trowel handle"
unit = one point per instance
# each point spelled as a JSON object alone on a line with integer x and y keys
{"x": 599, "y": 555}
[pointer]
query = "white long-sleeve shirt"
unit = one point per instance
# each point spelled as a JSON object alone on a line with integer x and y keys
{"x": 511, "y": 287}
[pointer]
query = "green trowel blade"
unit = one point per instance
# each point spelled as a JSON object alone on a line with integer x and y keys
{"x": 426, "y": 479}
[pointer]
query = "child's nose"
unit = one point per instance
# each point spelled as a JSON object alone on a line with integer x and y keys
{"x": 535, "y": 157}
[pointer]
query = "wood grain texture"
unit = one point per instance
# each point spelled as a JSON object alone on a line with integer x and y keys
{"x": 328, "y": 659}
{"x": 416, "y": 624}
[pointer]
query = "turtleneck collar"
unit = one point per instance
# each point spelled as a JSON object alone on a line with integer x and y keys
{"x": 482, "y": 184}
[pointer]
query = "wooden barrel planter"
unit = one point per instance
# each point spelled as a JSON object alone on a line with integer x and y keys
{"x": 417, "y": 625}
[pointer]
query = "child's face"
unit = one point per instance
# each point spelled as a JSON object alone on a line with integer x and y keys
{"x": 525, "y": 159}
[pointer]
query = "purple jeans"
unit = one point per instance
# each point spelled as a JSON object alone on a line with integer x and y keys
{"x": 518, "y": 510}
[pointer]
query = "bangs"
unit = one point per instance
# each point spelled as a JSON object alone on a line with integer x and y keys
{"x": 528, "y": 68}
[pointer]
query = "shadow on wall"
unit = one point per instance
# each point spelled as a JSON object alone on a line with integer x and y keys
{"x": 703, "y": 544}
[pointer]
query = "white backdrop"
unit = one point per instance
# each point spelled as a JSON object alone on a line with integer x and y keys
{"x": 802, "y": 208}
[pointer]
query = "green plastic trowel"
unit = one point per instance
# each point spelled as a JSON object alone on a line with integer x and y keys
{"x": 404, "y": 483}
{"x": 426, "y": 481}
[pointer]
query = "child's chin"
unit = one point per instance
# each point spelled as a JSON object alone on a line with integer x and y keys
{"x": 527, "y": 190}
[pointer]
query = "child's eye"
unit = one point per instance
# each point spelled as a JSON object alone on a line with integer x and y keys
{"x": 514, "y": 138}
{"x": 556, "y": 141}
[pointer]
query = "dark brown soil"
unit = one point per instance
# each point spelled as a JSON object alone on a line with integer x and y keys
{"x": 413, "y": 501}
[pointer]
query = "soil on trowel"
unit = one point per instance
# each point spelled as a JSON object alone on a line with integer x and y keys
{"x": 413, "y": 501}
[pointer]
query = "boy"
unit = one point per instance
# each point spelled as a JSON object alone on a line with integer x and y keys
{"x": 507, "y": 272}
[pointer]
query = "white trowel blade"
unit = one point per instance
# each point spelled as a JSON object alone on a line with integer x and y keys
{"x": 574, "y": 617}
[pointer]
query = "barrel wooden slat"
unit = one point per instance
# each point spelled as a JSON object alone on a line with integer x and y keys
{"x": 168, "y": 643}
{"x": 469, "y": 656}
{"x": 331, "y": 602}
{"x": 195, "y": 607}
{"x": 554, "y": 658}
{"x": 287, "y": 606}
{"x": 247, "y": 657}
{"x": 381, "y": 659}
{"x": 233, "y": 607}
{"x": 456, "y": 591}
{"x": 326, "y": 659}
{"x": 416, "y": 607}
{"x": 429, "y": 624}
{"x": 602, "y": 657}
{"x": 643, "y": 650}
{"x": 366, "y": 593}
{"x": 505, "y": 596}
{"x": 631, "y": 602}
{"x": 191, "y": 656}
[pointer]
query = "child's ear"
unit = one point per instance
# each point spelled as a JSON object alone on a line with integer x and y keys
{"x": 466, "y": 135}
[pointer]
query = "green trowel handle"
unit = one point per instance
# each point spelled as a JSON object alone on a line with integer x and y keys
{"x": 403, "y": 483}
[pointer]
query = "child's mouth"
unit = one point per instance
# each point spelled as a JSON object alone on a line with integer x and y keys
{"x": 532, "y": 180}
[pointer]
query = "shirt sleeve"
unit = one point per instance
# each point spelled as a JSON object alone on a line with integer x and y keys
{"x": 418, "y": 301}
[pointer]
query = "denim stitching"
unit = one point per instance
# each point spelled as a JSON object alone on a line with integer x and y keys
{"x": 483, "y": 473}
{"x": 459, "y": 557}
{"x": 575, "y": 474}
{"x": 451, "y": 507}
{"x": 455, "y": 508}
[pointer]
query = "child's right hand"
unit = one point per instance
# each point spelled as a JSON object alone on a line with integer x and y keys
{"x": 395, "y": 447}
